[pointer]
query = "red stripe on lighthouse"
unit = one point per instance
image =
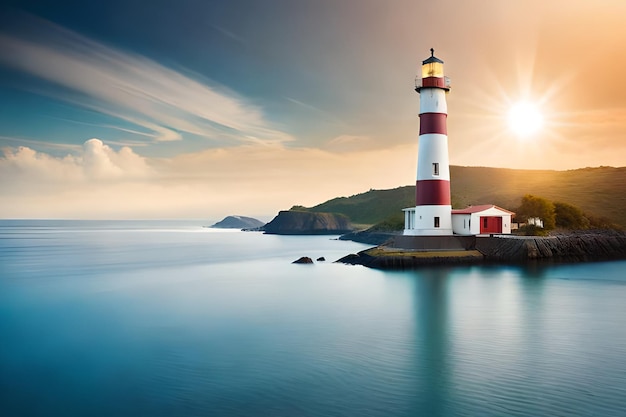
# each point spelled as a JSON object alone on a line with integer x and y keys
{"x": 432, "y": 193}
{"x": 433, "y": 123}
{"x": 438, "y": 82}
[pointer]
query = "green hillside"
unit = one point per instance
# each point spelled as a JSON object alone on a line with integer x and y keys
{"x": 599, "y": 192}
{"x": 370, "y": 207}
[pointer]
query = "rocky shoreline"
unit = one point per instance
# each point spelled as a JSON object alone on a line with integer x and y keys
{"x": 369, "y": 238}
{"x": 583, "y": 246}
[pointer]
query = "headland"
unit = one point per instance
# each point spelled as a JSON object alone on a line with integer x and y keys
{"x": 294, "y": 222}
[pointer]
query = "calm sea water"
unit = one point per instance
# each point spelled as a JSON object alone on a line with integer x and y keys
{"x": 172, "y": 319}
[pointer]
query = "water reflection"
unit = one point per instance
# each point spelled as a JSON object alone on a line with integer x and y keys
{"x": 432, "y": 362}
{"x": 483, "y": 325}
{"x": 534, "y": 270}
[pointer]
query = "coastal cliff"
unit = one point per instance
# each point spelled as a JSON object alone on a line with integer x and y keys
{"x": 294, "y": 222}
{"x": 571, "y": 247}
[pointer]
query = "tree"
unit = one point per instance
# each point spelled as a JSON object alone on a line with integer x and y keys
{"x": 569, "y": 216}
{"x": 533, "y": 206}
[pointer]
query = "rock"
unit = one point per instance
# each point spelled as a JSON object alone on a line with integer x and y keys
{"x": 238, "y": 222}
{"x": 294, "y": 222}
{"x": 321, "y": 259}
{"x": 303, "y": 260}
{"x": 369, "y": 238}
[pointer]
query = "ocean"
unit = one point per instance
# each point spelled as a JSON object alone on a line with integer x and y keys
{"x": 167, "y": 318}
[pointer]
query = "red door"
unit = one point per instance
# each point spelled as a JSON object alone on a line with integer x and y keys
{"x": 490, "y": 224}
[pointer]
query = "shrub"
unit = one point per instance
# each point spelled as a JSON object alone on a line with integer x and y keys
{"x": 532, "y": 230}
{"x": 533, "y": 206}
{"x": 570, "y": 217}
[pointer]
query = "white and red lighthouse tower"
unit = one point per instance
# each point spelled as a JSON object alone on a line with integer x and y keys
{"x": 432, "y": 214}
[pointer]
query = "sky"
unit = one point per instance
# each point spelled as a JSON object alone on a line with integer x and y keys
{"x": 203, "y": 109}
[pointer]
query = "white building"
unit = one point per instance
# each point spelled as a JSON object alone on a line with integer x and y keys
{"x": 535, "y": 221}
{"x": 481, "y": 220}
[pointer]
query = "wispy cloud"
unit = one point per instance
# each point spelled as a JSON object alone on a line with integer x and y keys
{"x": 133, "y": 88}
{"x": 110, "y": 126}
{"x": 230, "y": 34}
{"x": 39, "y": 143}
{"x": 326, "y": 114}
{"x": 303, "y": 104}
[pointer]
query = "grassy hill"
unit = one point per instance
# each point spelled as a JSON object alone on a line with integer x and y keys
{"x": 597, "y": 191}
{"x": 370, "y": 207}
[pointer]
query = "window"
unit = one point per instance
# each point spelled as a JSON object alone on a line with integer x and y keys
{"x": 436, "y": 221}
{"x": 435, "y": 168}
{"x": 485, "y": 222}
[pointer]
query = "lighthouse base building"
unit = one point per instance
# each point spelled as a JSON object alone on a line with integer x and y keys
{"x": 428, "y": 221}
{"x": 474, "y": 220}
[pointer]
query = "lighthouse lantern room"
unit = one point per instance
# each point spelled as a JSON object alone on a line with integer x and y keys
{"x": 432, "y": 214}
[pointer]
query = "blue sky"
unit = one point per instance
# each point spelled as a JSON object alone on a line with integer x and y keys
{"x": 209, "y": 108}
{"x": 288, "y": 60}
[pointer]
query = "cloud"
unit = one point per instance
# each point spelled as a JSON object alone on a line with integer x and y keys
{"x": 23, "y": 170}
{"x": 102, "y": 182}
{"x": 348, "y": 139}
{"x": 133, "y": 88}
{"x": 101, "y": 162}
{"x": 24, "y": 166}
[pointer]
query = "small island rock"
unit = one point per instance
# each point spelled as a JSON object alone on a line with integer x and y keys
{"x": 303, "y": 260}
{"x": 238, "y": 222}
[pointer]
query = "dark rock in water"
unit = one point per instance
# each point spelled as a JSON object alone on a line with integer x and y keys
{"x": 321, "y": 259}
{"x": 308, "y": 223}
{"x": 303, "y": 260}
{"x": 238, "y": 222}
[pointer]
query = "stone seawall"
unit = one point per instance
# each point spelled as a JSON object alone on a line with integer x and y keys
{"x": 411, "y": 252}
{"x": 389, "y": 258}
{"x": 573, "y": 248}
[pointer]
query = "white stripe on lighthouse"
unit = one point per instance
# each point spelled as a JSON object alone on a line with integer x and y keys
{"x": 433, "y": 100}
{"x": 433, "y": 148}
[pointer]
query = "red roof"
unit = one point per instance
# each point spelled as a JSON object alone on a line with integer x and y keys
{"x": 478, "y": 209}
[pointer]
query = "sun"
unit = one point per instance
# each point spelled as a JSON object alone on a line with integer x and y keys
{"x": 525, "y": 119}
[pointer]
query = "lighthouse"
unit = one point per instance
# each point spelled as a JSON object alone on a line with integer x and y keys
{"x": 432, "y": 214}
